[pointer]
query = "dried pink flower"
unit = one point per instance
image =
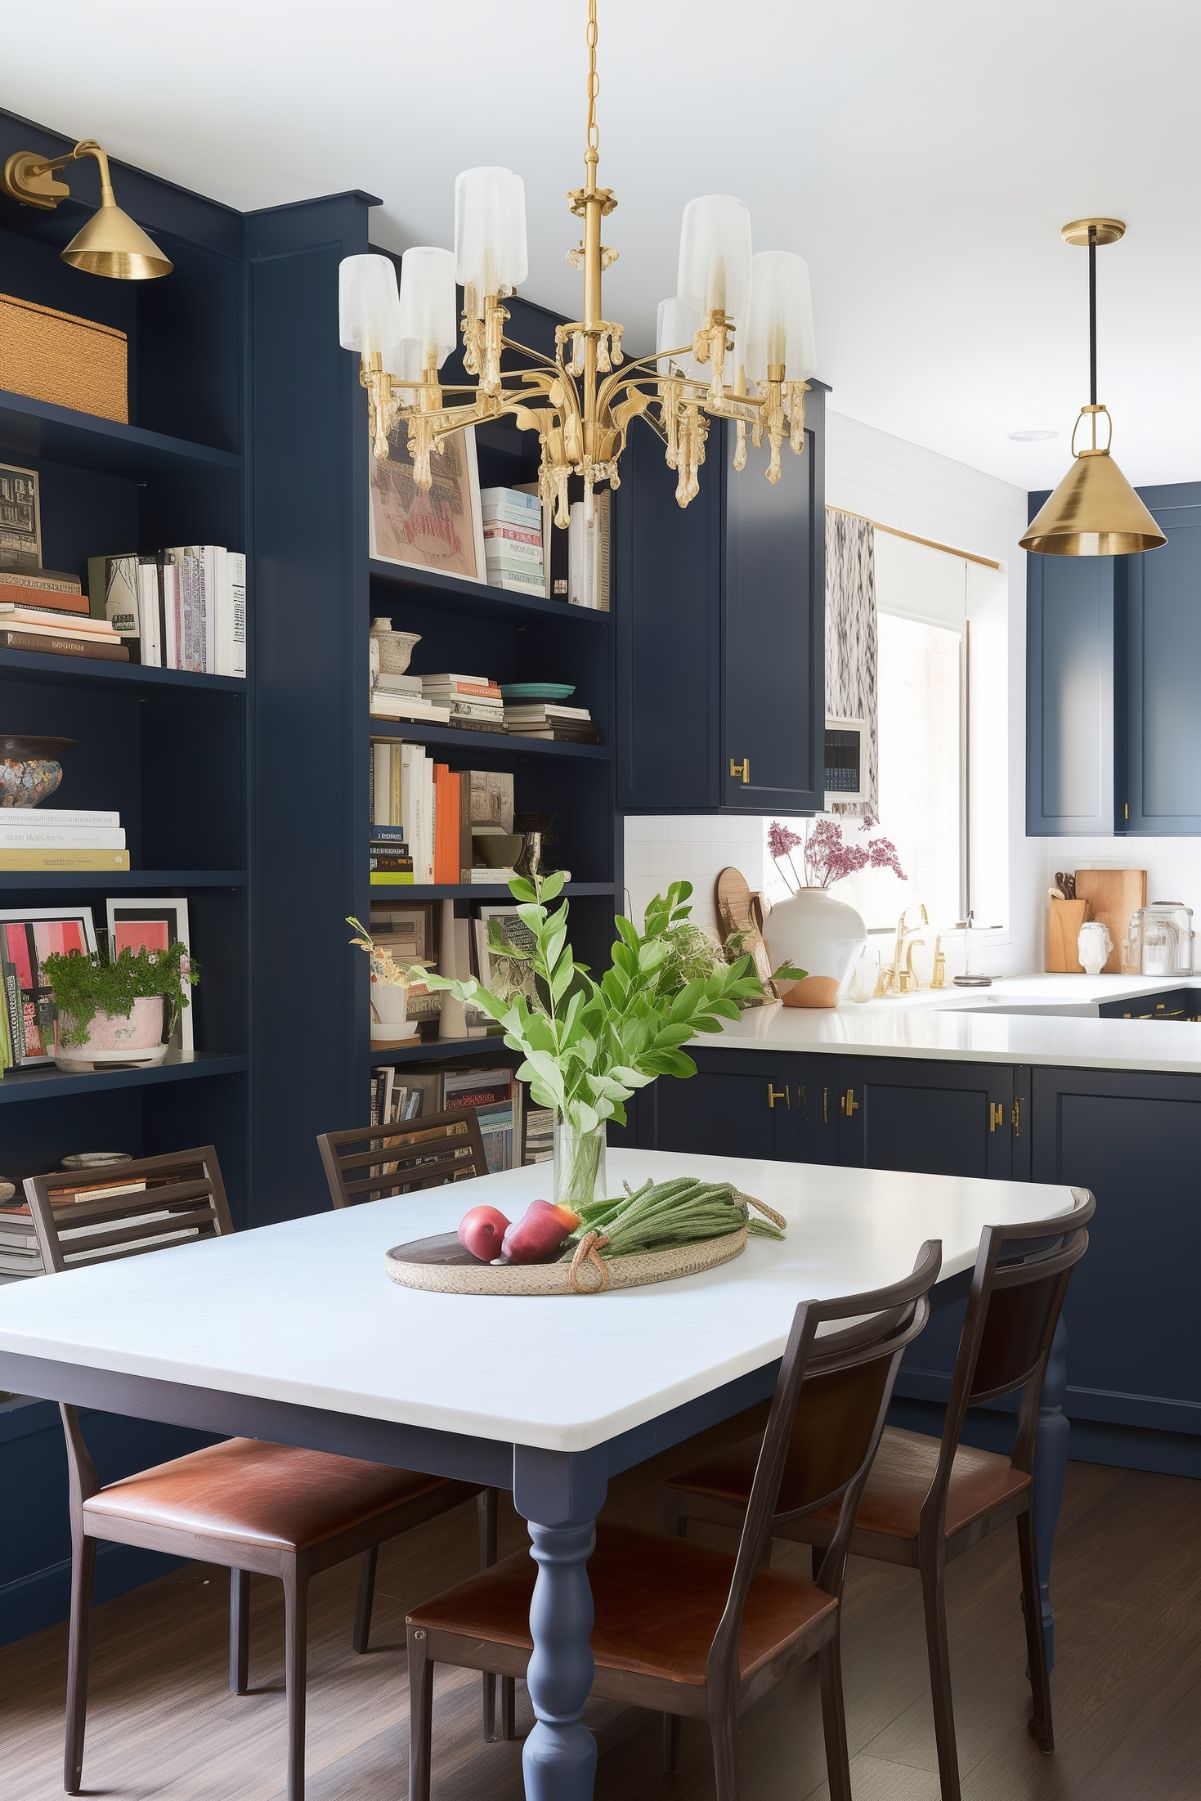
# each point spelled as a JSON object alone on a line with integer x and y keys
{"x": 827, "y": 855}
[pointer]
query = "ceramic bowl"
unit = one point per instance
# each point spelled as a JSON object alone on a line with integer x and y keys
{"x": 395, "y": 649}
{"x": 29, "y": 769}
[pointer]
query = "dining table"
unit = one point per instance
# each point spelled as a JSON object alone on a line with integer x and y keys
{"x": 294, "y": 1333}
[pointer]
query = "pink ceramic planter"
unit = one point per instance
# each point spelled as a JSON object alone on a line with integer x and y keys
{"x": 135, "y": 1037}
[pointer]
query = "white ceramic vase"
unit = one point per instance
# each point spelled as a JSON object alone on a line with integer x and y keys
{"x": 819, "y": 934}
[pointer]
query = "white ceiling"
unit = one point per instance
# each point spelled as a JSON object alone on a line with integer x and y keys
{"x": 921, "y": 155}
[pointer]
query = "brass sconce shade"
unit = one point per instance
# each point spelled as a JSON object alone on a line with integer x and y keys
{"x": 1094, "y": 512}
{"x": 110, "y": 244}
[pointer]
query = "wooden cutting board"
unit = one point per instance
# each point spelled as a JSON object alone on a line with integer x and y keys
{"x": 1064, "y": 920}
{"x": 1112, "y": 896}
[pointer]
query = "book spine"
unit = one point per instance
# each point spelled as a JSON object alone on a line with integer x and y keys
{"x": 237, "y": 611}
{"x": 387, "y": 878}
{"x": 65, "y": 859}
{"x": 150, "y": 577}
{"x": 220, "y": 613}
{"x": 14, "y": 818}
{"x": 51, "y": 599}
{"x": 46, "y": 581}
{"x": 47, "y": 837}
{"x": 113, "y": 593}
{"x": 383, "y": 834}
{"x": 63, "y": 647}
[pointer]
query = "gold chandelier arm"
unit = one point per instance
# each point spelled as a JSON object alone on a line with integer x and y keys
{"x": 535, "y": 356}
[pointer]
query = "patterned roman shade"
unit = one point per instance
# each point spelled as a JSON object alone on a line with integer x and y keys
{"x": 851, "y": 642}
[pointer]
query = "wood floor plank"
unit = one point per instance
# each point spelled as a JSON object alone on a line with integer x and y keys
{"x": 164, "y": 1727}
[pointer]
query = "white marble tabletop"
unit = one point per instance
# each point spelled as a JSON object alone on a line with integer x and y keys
{"x": 303, "y": 1312}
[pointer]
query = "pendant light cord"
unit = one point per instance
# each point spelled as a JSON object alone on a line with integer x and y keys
{"x": 1092, "y": 315}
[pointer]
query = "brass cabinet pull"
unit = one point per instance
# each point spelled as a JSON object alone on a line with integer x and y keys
{"x": 778, "y": 1094}
{"x": 825, "y": 1106}
{"x": 849, "y": 1103}
{"x": 742, "y": 769}
{"x": 996, "y": 1115}
{"x": 1016, "y": 1116}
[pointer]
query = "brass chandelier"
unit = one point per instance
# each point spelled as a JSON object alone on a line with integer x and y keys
{"x": 735, "y": 342}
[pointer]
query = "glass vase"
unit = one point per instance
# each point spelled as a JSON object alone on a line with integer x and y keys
{"x": 579, "y": 1165}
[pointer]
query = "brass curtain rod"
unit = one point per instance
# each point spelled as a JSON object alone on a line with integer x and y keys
{"x": 894, "y": 531}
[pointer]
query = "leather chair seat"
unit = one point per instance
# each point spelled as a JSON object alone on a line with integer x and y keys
{"x": 658, "y": 1601}
{"x": 246, "y": 1491}
{"x": 897, "y": 1484}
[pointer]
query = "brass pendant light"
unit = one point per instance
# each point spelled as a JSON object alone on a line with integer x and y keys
{"x": 1094, "y": 512}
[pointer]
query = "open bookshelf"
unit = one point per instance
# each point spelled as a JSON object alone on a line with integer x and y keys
{"x": 171, "y": 751}
{"x": 318, "y": 585}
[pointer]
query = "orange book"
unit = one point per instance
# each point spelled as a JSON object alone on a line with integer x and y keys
{"x": 441, "y": 786}
{"x": 452, "y": 796}
{"x": 43, "y": 597}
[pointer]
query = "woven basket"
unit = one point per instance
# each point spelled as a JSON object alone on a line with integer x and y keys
{"x": 67, "y": 361}
{"x": 407, "y": 1264}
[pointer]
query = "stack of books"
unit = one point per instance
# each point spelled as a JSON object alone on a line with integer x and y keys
{"x": 19, "y": 1253}
{"x": 543, "y": 719}
{"x": 472, "y": 701}
{"x": 183, "y": 608}
{"x": 426, "y": 815}
{"x": 402, "y": 697}
{"x": 61, "y": 838}
{"x": 45, "y": 611}
{"x": 514, "y": 555}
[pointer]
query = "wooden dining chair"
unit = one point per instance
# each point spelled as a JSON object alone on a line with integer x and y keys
{"x": 371, "y": 1163}
{"x": 689, "y": 1631}
{"x": 248, "y": 1506}
{"x": 927, "y": 1499}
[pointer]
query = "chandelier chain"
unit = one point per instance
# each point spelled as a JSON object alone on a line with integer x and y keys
{"x": 593, "y": 134}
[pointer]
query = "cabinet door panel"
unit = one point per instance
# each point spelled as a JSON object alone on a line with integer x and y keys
{"x": 773, "y": 630}
{"x": 1070, "y": 748}
{"x": 946, "y": 1119}
{"x": 1163, "y": 637}
{"x": 735, "y": 1106}
{"x": 1134, "y": 1326}
{"x": 815, "y": 1098}
{"x": 666, "y": 616}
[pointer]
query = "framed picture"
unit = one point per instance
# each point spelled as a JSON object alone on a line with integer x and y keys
{"x": 21, "y": 519}
{"x": 409, "y": 929}
{"x": 28, "y": 935}
{"x": 152, "y": 925}
{"x": 442, "y": 529}
{"x": 508, "y": 976}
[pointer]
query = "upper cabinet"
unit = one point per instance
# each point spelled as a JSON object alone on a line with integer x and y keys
{"x": 720, "y": 619}
{"x": 1113, "y": 678}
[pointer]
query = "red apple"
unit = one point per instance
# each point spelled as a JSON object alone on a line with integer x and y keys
{"x": 482, "y": 1232}
{"x": 538, "y": 1235}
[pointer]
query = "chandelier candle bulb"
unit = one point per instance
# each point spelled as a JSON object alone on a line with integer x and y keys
{"x": 779, "y": 327}
{"x": 427, "y": 302}
{"x": 715, "y": 255}
{"x": 368, "y": 307}
{"x": 490, "y": 241}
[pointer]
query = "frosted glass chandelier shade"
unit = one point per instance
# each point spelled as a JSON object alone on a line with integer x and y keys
{"x": 427, "y": 302}
{"x": 715, "y": 255}
{"x": 780, "y": 322}
{"x": 368, "y": 307}
{"x": 676, "y": 325}
{"x": 490, "y": 243}
{"x": 403, "y": 360}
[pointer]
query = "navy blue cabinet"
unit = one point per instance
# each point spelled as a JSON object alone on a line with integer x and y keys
{"x": 1113, "y": 673}
{"x": 1163, "y": 669}
{"x": 1070, "y": 695}
{"x": 721, "y": 631}
{"x": 944, "y": 1119}
{"x": 1133, "y": 1322}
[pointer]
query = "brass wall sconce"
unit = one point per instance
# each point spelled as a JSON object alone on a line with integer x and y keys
{"x": 110, "y": 243}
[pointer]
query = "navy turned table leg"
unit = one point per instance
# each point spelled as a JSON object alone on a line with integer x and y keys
{"x": 1050, "y": 1468}
{"x": 559, "y": 1496}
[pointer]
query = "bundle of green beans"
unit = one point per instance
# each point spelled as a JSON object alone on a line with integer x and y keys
{"x": 661, "y": 1215}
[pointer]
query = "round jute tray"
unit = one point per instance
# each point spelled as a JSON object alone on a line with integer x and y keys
{"x": 440, "y": 1265}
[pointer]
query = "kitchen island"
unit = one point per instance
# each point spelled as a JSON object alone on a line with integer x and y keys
{"x": 968, "y": 1082}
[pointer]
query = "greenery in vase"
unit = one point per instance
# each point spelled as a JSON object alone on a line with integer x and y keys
{"x": 84, "y": 985}
{"x": 587, "y": 1045}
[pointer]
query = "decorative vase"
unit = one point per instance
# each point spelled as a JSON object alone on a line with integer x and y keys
{"x": 30, "y": 771}
{"x": 821, "y": 935}
{"x": 579, "y": 1165}
{"x": 395, "y": 648}
{"x": 133, "y": 1037}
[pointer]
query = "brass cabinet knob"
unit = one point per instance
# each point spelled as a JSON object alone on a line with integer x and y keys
{"x": 996, "y": 1114}
{"x": 742, "y": 769}
{"x": 778, "y": 1094}
{"x": 849, "y": 1104}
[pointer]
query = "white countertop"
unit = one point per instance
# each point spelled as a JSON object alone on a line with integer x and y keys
{"x": 303, "y": 1312}
{"x": 970, "y": 1024}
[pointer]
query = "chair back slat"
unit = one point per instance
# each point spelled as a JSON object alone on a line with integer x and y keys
{"x": 1018, "y": 1289}
{"x": 371, "y": 1163}
{"x": 826, "y": 1418}
{"x": 175, "y": 1199}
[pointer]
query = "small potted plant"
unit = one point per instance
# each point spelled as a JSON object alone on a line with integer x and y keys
{"x": 117, "y": 1010}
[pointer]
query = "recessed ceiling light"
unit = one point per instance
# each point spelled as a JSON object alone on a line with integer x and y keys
{"x": 1032, "y": 437}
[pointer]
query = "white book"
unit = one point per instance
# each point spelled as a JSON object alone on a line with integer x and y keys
{"x": 149, "y": 611}
{"x": 513, "y": 497}
{"x": 399, "y": 684}
{"x": 210, "y": 586}
{"x": 236, "y": 577}
{"x": 15, "y": 819}
{"x": 575, "y": 555}
{"x": 80, "y": 837}
{"x": 220, "y": 609}
{"x": 405, "y": 706}
{"x": 427, "y": 823}
{"x": 381, "y": 769}
{"x": 410, "y": 755}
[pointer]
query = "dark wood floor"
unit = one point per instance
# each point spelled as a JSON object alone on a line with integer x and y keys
{"x": 1127, "y": 1688}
